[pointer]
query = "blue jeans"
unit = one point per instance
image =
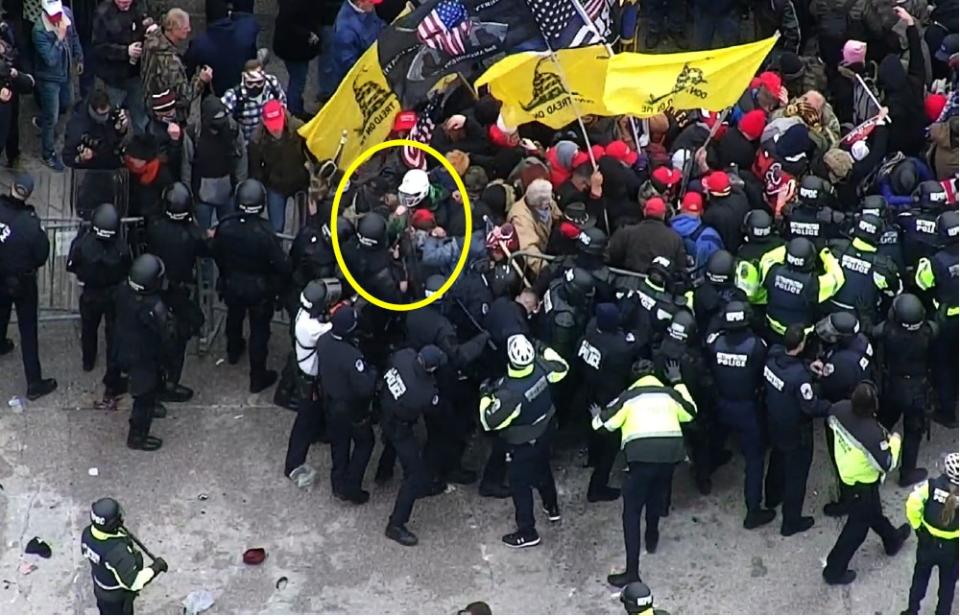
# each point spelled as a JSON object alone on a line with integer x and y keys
{"x": 130, "y": 95}
{"x": 327, "y": 81}
{"x": 214, "y": 194}
{"x": 726, "y": 28}
{"x": 53, "y": 97}
{"x": 296, "y": 85}
{"x": 276, "y": 209}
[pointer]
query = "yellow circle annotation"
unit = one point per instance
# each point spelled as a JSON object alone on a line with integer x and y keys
{"x": 468, "y": 224}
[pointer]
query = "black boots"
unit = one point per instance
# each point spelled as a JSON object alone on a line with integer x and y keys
{"x": 141, "y": 439}
{"x": 175, "y": 393}
{"x": 40, "y": 388}
{"x": 401, "y": 535}
{"x": 758, "y": 517}
{"x": 262, "y": 381}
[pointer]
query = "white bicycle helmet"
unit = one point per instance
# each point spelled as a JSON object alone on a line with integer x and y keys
{"x": 520, "y": 350}
{"x": 951, "y": 465}
{"x": 414, "y": 188}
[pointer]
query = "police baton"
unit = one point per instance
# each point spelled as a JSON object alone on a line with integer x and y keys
{"x": 479, "y": 327}
{"x": 139, "y": 543}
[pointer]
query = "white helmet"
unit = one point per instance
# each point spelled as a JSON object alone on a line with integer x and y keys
{"x": 414, "y": 187}
{"x": 951, "y": 465}
{"x": 520, "y": 351}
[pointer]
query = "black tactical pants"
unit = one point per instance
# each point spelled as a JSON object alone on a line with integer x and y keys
{"x": 415, "y": 479}
{"x": 25, "y": 301}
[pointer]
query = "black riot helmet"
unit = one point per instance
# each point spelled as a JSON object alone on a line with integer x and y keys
{"x": 757, "y": 225}
{"x": 812, "y": 191}
{"x": 683, "y": 327}
{"x": 721, "y": 267}
{"x": 903, "y": 178}
{"x": 146, "y": 274}
{"x": 251, "y": 196}
{"x": 736, "y": 315}
{"x": 318, "y": 294}
{"x": 636, "y": 598}
{"x": 874, "y": 204}
{"x": 578, "y": 286}
{"x": 106, "y": 515}
{"x": 948, "y": 227}
{"x": 432, "y": 284}
{"x": 837, "y": 326}
{"x": 345, "y": 230}
{"x": 503, "y": 280}
{"x": 593, "y": 241}
{"x": 105, "y": 221}
{"x": 372, "y": 231}
{"x": 177, "y": 201}
{"x": 658, "y": 273}
{"x": 931, "y": 195}
{"x": 868, "y": 229}
{"x": 907, "y": 311}
{"x": 801, "y": 254}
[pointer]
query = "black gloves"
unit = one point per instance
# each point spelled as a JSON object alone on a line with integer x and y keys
{"x": 159, "y": 566}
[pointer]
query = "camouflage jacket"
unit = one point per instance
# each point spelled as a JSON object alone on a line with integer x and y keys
{"x": 163, "y": 69}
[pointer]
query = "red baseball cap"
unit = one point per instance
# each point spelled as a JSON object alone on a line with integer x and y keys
{"x": 655, "y": 207}
{"x": 668, "y": 176}
{"x": 752, "y": 124}
{"x": 621, "y": 151}
{"x": 933, "y": 106}
{"x": 692, "y": 203}
{"x": 404, "y": 121}
{"x": 423, "y": 219}
{"x": 717, "y": 183}
{"x": 273, "y": 115}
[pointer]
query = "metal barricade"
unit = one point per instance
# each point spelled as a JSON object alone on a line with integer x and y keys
{"x": 91, "y": 187}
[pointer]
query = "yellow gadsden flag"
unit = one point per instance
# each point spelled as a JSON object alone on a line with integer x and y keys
{"x": 363, "y": 105}
{"x": 533, "y": 87}
{"x": 588, "y": 80}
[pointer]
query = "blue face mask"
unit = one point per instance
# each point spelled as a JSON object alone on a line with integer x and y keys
{"x": 543, "y": 214}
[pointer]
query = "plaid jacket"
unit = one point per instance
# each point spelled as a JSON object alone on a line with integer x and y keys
{"x": 246, "y": 109}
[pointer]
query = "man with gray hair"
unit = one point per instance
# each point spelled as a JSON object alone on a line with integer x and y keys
{"x": 533, "y": 218}
{"x": 163, "y": 69}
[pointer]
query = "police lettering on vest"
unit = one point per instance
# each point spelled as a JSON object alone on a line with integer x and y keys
{"x": 794, "y": 287}
{"x": 590, "y": 355}
{"x": 772, "y": 378}
{"x": 395, "y": 384}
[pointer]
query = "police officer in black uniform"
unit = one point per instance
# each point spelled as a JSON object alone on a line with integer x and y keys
{"x": 760, "y": 237}
{"x": 736, "y": 357}
{"x": 311, "y": 257}
{"x": 566, "y": 309}
{"x": 604, "y": 356}
{"x": 447, "y": 431}
{"x": 176, "y": 238}
{"x": 905, "y": 340}
{"x": 811, "y": 216}
{"x": 938, "y": 277}
{"x": 253, "y": 269}
{"x": 792, "y": 402}
{"x": 919, "y": 223}
{"x": 348, "y": 382}
{"x": 24, "y": 249}
{"x": 651, "y": 306}
{"x": 100, "y": 259}
{"x": 846, "y": 355}
{"x": 591, "y": 245}
{"x": 869, "y": 278}
{"x": 410, "y": 390}
{"x": 117, "y": 567}
{"x": 718, "y": 289}
{"x": 891, "y": 241}
{"x": 145, "y": 342}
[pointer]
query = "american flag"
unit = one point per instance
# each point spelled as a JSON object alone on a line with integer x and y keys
{"x": 445, "y": 27}
{"x": 563, "y": 26}
{"x": 422, "y": 131}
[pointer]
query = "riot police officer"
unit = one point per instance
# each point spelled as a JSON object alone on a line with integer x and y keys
{"x": 937, "y": 275}
{"x": 792, "y": 402}
{"x": 253, "y": 267}
{"x": 811, "y": 216}
{"x": 566, "y": 309}
{"x": 24, "y": 249}
{"x": 311, "y": 257}
{"x": 905, "y": 340}
{"x": 178, "y": 241}
{"x": 846, "y": 355}
{"x": 794, "y": 290}
{"x": 145, "y": 341}
{"x": 410, "y": 390}
{"x": 591, "y": 245}
{"x": 348, "y": 382}
{"x": 919, "y": 223}
{"x": 117, "y": 567}
{"x": 891, "y": 244}
{"x": 637, "y": 599}
{"x": 761, "y": 239}
{"x": 718, "y": 289}
{"x": 648, "y": 414}
{"x": 372, "y": 262}
{"x": 932, "y": 513}
{"x": 652, "y": 305}
{"x": 309, "y": 326}
{"x": 736, "y": 357}
{"x": 605, "y": 354}
{"x": 868, "y": 277}
{"x": 519, "y": 407}
{"x": 100, "y": 259}
{"x": 447, "y": 430}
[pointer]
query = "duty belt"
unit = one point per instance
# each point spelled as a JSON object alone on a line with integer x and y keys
{"x": 97, "y": 582}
